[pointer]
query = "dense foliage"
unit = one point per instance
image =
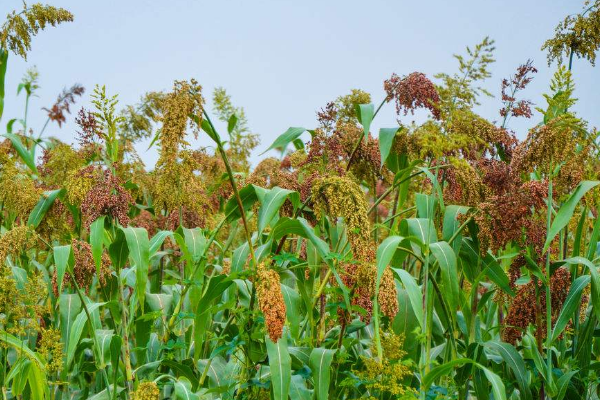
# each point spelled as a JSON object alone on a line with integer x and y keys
{"x": 441, "y": 260}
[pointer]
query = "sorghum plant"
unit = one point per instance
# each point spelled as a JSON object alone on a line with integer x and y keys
{"x": 444, "y": 259}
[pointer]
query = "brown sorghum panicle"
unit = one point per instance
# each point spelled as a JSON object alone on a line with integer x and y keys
{"x": 412, "y": 92}
{"x": 270, "y": 300}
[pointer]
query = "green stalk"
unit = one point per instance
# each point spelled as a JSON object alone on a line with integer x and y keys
{"x": 126, "y": 351}
{"x": 91, "y": 327}
{"x": 186, "y": 288}
{"x": 426, "y": 352}
{"x": 548, "y": 294}
{"x": 236, "y": 193}
{"x": 26, "y": 111}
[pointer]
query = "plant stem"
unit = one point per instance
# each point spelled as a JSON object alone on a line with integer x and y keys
{"x": 91, "y": 327}
{"x": 548, "y": 277}
{"x": 236, "y": 193}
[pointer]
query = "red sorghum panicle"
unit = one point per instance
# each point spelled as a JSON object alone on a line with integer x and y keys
{"x": 107, "y": 197}
{"x": 412, "y": 92}
{"x": 63, "y": 104}
{"x": 84, "y": 267}
{"x": 270, "y": 300}
{"x": 512, "y": 216}
{"x": 510, "y": 87}
{"x": 522, "y": 310}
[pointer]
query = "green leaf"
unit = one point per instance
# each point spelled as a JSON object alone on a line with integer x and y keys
{"x": 280, "y": 363}
{"x": 447, "y": 261}
{"x": 563, "y": 383}
{"x": 496, "y": 274}
{"x": 160, "y": 302}
{"x": 293, "y": 305}
{"x": 216, "y": 286}
{"x": 248, "y": 197}
{"x": 426, "y": 205}
{"x": 320, "y": 363}
{"x": 157, "y": 241}
{"x": 63, "y": 257}
{"x": 298, "y": 389}
{"x": 69, "y": 307}
{"x": 139, "y": 254}
{"x": 385, "y": 253}
{"x": 115, "y": 350}
{"x": 183, "y": 390}
{"x": 77, "y": 330}
{"x": 42, "y": 207}
{"x": 414, "y": 294}
{"x": 118, "y": 251}
{"x": 515, "y": 362}
{"x": 38, "y": 385}
{"x": 232, "y": 123}
{"x": 195, "y": 242}
{"x": 285, "y": 138}
{"x": 18, "y": 375}
{"x": 104, "y": 339}
{"x": 20, "y": 347}
{"x": 451, "y": 225}
{"x": 497, "y": 386}
{"x": 365, "y": 114}
{"x": 271, "y": 203}
{"x": 421, "y": 228}
{"x": 386, "y": 141}
{"x": 97, "y": 241}
{"x": 570, "y": 306}
{"x": 566, "y": 211}
{"x": 531, "y": 350}
{"x": 106, "y": 395}
{"x": 181, "y": 369}
{"x": 595, "y": 279}
{"x": 25, "y": 155}
{"x": 207, "y": 127}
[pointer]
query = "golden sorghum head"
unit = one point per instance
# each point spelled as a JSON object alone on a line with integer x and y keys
{"x": 79, "y": 182}
{"x": 57, "y": 163}
{"x": 360, "y": 279}
{"x": 146, "y": 391}
{"x": 579, "y": 34}
{"x": 16, "y": 241}
{"x": 464, "y": 184}
{"x": 270, "y": 300}
{"x": 51, "y": 348}
{"x": 18, "y": 29}
{"x": 549, "y": 145}
{"x": 185, "y": 100}
{"x": 21, "y": 308}
{"x": 57, "y": 223}
{"x": 346, "y": 105}
{"x": 388, "y": 295}
{"x": 335, "y": 197}
{"x": 178, "y": 185}
{"x": 18, "y": 191}
{"x": 386, "y": 376}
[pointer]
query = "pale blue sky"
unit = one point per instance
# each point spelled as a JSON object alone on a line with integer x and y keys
{"x": 284, "y": 60}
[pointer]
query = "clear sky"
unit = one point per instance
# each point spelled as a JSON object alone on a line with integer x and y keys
{"x": 283, "y": 60}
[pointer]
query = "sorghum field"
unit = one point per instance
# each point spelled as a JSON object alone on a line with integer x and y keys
{"x": 441, "y": 260}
